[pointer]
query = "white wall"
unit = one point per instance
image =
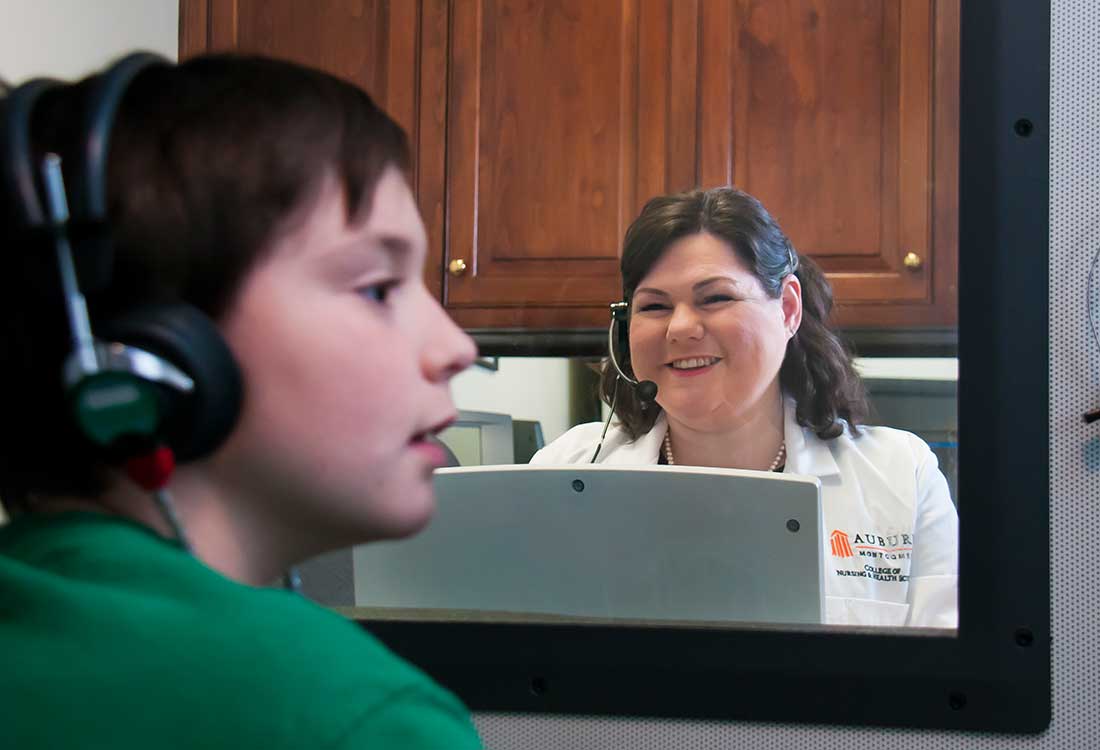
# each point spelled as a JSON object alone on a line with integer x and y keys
{"x": 70, "y": 38}
{"x": 924, "y": 368}
{"x": 524, "y": 387}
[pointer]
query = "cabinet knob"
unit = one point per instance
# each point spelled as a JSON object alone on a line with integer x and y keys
{"x": 912, "y": 261}
{"x": 457, "y": 267}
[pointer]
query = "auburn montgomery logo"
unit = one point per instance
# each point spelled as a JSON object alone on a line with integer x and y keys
{"x": 843, "y": 545}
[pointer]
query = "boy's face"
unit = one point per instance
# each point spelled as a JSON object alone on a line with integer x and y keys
{"x": 347, "y": 360}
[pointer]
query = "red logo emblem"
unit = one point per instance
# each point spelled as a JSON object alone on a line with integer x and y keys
{"x": 840, "y": 545}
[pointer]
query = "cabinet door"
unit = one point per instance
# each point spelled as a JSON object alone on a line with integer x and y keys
{"x": 842, "y": 118}
{"x": 559, "y": 124}
{"x": 372, "y": 43}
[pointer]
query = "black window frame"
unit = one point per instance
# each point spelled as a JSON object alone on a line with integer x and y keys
{"x": 995, "y": 674}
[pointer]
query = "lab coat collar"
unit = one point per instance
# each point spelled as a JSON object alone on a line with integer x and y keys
{"x": 806, "y": 452}
{"x": 649, "y": 445}
{"x": 619, "y": 449}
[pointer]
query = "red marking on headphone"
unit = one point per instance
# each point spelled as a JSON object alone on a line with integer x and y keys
{"x": 152, "y": 471}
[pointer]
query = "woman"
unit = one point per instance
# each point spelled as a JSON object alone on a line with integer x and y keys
{"x": 268, "y": 203}
{"x": 730, "y": 324}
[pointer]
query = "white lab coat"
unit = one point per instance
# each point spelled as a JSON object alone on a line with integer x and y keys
{"x": 891, "y": 530}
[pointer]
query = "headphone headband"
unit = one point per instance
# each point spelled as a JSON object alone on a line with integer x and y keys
{"x": 99, "y": 119}
{"x": 15, "y": 149}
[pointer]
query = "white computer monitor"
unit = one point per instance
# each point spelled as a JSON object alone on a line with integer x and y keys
{"x": 480, "y": 438}
{"x": 654, "y": 543}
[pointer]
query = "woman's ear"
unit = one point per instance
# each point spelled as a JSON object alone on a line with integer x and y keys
{"x": 790, "y": 300}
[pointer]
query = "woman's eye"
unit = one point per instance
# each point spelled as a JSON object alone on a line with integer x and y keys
{"x": 714, "y": 299}
{"x": 379, "y": 292}
{"x": 651, "y": 307}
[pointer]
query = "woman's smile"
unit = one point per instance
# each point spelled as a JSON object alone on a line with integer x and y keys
{"x": 688, "y": 367}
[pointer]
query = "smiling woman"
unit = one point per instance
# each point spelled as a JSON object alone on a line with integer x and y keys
{"x": 731, "y": 325}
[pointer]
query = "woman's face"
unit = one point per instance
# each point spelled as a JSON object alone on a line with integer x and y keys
{"x": 347, "y": 360}
{"x": 704, "y": 330}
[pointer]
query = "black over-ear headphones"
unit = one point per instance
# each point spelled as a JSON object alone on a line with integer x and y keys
{"x": 159, "y": 375}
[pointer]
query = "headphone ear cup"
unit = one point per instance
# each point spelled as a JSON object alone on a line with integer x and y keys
{"x": 196, "y": 423}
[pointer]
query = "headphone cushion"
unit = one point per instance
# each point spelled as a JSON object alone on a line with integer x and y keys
{"x": 197, "y": 422}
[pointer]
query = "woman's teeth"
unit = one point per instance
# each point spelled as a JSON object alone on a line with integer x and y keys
{"x": 691, "y": 364}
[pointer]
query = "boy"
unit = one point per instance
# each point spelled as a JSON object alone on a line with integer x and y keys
{"x": 269, "y": 199}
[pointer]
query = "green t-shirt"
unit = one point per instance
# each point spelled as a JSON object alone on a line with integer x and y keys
{"x": 111, "y": 637}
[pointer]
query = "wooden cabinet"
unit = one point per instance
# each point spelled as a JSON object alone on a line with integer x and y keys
{"x": 842, "y": 118}
{"x": 542, "y": 126}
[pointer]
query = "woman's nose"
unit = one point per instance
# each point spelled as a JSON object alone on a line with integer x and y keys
{"x": 685, "y": 323}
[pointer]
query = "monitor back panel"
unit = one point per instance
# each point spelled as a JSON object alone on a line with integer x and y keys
{"x": 645, "y": 543}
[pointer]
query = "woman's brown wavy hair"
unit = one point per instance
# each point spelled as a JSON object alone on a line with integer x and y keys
{"x": 817, "y": 370}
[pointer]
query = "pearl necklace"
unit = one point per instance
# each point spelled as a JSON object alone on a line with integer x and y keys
{"x": 776, "y": 462}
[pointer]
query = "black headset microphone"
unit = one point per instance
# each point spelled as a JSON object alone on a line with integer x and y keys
{"x": 645, "y": 390}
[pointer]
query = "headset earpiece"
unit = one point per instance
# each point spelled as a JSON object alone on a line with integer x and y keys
{"x": 646, "y": 390}
{"x": 195, "y": 423}
{"x": 621, "y": 317}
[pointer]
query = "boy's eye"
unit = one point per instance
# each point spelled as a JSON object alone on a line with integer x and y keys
{"x": 378, "y": 292}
